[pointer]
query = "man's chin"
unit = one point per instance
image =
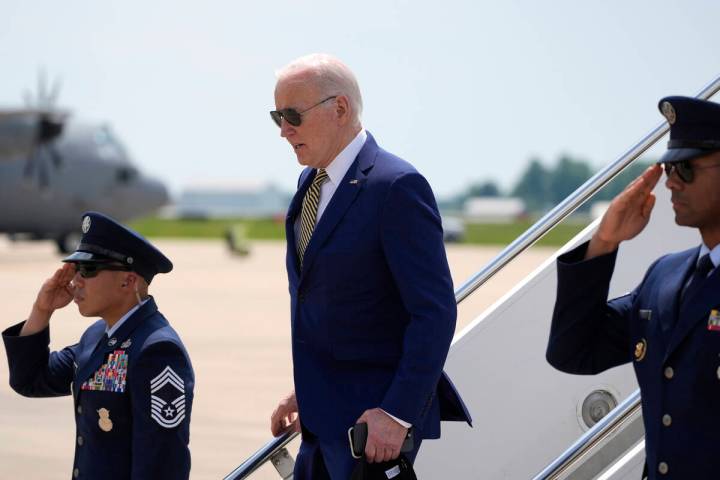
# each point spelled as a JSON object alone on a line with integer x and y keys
{"x": 85, "y": 311}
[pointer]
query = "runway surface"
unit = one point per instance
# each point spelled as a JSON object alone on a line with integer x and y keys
{"x": 233, "y": 315}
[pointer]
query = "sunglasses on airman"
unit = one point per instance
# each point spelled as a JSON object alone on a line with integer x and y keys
{"x": 292, "y": 116}
{"x": 685, "y": 169}
{"x": 90, "y": 270}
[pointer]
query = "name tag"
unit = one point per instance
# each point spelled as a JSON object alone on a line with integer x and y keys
{"x": 645, "y": 314}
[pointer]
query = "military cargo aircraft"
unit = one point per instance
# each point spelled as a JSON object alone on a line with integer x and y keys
{"x": 53, "y": 168}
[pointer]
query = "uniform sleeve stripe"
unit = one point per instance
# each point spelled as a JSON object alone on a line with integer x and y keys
{"x": 167, "y": 376}
{"x": 164, "y": 423}
{"x": 171, "y": 381}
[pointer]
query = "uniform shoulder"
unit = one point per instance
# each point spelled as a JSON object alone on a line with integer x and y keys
{"x": 94, "y": 331}
{"x": 676, "y": 258}
{"x": 164, "y": 338}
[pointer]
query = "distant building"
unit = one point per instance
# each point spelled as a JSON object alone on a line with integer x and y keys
{"x": 223, "y": 199}
{"x": 493, "y": 209}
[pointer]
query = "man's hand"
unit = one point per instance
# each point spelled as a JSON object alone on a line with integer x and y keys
{"x": 55, "y": 293}
{"x": 385, "y": 436}
{"x": 285, "y": 417}
{"x": 627, "y": 215}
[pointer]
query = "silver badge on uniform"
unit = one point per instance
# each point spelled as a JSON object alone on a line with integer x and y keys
{"x": 112, "y": 342}
{"x": 167, "y": 413}
{"x": 669, "y": 112}
{"x": 86, "y": 224}
{"x": 126, "y": 343}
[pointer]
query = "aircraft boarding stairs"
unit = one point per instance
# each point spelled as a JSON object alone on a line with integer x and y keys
{"x": 525, "y": 413}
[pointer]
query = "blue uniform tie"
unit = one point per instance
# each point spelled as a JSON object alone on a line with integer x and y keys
{"x": 704, "y": 266}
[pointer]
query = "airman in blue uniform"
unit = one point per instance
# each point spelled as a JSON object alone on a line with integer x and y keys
{"x": 669, "y": 326}
{"x": 130, "y": 376}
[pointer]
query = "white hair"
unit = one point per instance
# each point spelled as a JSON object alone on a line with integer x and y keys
{"x": 330, "y": 76}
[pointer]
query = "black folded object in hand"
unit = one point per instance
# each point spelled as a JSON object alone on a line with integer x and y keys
{"x": 398, "y": 469}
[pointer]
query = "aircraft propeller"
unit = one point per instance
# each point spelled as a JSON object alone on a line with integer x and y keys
{"x": 48, "y": 129}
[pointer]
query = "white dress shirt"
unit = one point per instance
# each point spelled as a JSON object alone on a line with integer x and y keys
{"x": 336, "y": 172}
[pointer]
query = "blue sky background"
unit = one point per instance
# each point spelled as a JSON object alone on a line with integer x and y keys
{"x": 465, "y": 90}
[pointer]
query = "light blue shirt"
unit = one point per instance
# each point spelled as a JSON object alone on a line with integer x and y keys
{"x": 113, "y": 329}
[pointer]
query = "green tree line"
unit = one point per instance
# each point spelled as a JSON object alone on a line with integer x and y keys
{"x": 542, "y": 187}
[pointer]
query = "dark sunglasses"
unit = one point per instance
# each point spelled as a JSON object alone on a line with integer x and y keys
{"x": 292, "y": 116}
{"x": 90, "y": 270}
{"x": 685, "y": 169}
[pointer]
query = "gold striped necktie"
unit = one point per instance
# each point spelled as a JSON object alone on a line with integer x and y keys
{"x": 309, "y": 213}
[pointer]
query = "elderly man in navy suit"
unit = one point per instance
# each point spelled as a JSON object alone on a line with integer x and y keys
{"x": 372, "y": 305}
{"x": 669, "y": 326}
{"x": 129, "y": 374}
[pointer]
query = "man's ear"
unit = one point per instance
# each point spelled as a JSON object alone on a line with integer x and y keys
{"x": 129, "y": 281}
{"x": 342, "y": 109}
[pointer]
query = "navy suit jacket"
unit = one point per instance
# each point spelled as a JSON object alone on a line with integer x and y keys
{"x": 373, "y": 310}
{"x": 141, "y": 377}
{"x": 678, "y": 369}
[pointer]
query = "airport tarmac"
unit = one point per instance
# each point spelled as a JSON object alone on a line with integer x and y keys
{"x": 233, "y": 315}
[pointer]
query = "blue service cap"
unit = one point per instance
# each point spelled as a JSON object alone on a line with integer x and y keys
{"x": 694, "y": 128}
{"x": 105, "y": 240}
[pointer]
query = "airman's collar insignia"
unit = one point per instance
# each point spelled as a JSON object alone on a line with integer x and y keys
{"x": 669, "y": 112}
{"x": 640, "y": 350}
{"x": 112, "y": 342}
{"x": 86, "y": 224}
{"x": 126, "y": 343}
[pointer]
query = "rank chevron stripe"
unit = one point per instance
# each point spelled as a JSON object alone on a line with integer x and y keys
{"x": 167, "y": 414}
{"x": 167, "y": 376}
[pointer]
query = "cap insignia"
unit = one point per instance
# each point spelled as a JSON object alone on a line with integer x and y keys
{"x": 669, "y": 112}
{"x": 86, "y": 224}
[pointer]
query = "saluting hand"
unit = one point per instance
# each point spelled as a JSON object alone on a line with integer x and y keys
{"x": 627, "y": 215}
{"x": 55, "y": 293}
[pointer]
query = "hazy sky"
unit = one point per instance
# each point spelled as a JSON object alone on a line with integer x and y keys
{"x": 466, "y": 91}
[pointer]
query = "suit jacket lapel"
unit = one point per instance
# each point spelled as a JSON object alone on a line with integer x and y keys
{"x": 344, "y": 196}
{"x": 669, "y": 295}
{"x": 695, "y": 308}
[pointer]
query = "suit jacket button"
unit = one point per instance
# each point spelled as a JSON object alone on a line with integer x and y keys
{"x": 669, "y": 372}
{"x": 76, "y": 473}
{"x": 301, "y": 297}
{"x": 667, "y": 420}
{"x": 663, "y": 468}
{"x": 79, "y": 409}
{"x": 80, "y": 440}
